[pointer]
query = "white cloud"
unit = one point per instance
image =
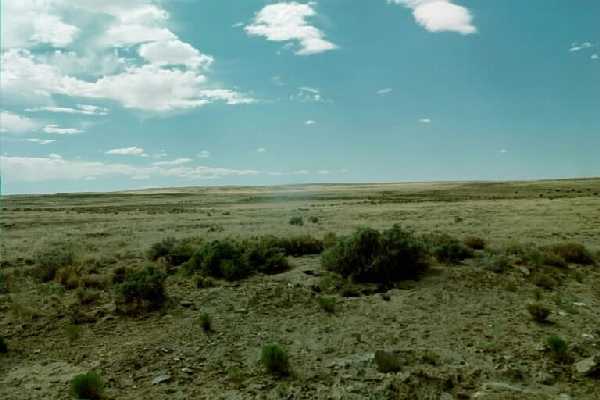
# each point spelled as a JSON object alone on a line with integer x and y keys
{"x": 440, "y": 15}
{"x": 147, "y": 87}
{"x": 310, "y": 122}
{"x": 174, "y": 52}
{"x": 203, "y": 154}
{"x": 261, "y": 150}
{"x": 127, "y": 151}
{"x": 41, "y": 141}
{"x": 83, "y": 109}
{"x": 284, "y": 22}
{"x": 384, "y": 91}
{"x": 503, "y": 151}
{"x": 425, "y": 120}
{"x": 595, "y": 56}
{"x": 130, "y": 60}
{"x": 178, "y": 161}
{"x": 31, "y": 23}
{"x": 54, "y": 167}
{"x": 57, "y": 130}
{"x": 307, "y": 94}
{"x": 580, "y": 46}
{"x": 14, "y": 123}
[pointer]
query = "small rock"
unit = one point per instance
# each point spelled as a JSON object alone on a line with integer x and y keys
{"x": 446, "y": 396}
{"x": 588, "y": 366}
{"x": 564, "y": 396}
{"x": 524, "y": 270}
{"x": 187, "y": 370}
{"x": 579, "y": 304}
{"x": 588, "y": 337}
{"x": 161, "y": 379}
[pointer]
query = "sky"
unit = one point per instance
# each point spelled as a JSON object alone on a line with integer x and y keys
{"x": 112, "y": 95}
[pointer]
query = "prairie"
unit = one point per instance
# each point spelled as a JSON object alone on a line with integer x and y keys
{"x": 460, "y": 331}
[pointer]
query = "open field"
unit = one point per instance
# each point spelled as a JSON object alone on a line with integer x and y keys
{"x": 461, "y": 331}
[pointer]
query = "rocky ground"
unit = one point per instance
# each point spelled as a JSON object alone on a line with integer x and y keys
{"x": 462, "y": 332}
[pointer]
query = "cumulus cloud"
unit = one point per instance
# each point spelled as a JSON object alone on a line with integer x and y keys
{"x": 55, "y": 167}
{"x": 310, "y": 122}
{"x": 127, "y": 151}
{"x": 440, "y": 15}
{"x": 83, "y": 109}
{"x": 425, "y": 120}
{"x": 57, "y": 130}
{"x": 174, "y": 52}
{"x": 594, "y": 56}
{"x": 287, "y": 21}
{"x": 261, "y": 150}
{"x": 147, "y": 87}
{"x": 14, "y": 123}
{"x": 167, "y": 74}
{"x": 203, "y": 154}
{"x": 31, "y": 23}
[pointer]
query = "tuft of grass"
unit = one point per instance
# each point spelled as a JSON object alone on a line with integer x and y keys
{"x": 174, "y": 252}
{"x": 545, "y": 281}
{"x": 474, "y": 242}
{"x": 51, "y": 258}
{"x": 275, "y": 359}
{"x": 3, "y": 283}
{"x": 378, "y": 257}
{"x": 327, "y": 304}
{"x": 387, "y": 361}
{"x": 73, "y": 332}
{"x": 297, "y": 220}
{"x": 571, "y": 252}
{"x": 447, "y": 249}
{"x": 141, "y": 290}
{"x": 87, "y": 296}
{"x": 329, "y": 240}
{"x": 203, "y": 282}
{"x": 3, "y": 346}
{"x": 87, "y": 386}
{"x": 313, "y": 219}
{"x": 539, "y": 312}
{"x": 205, "y": 322}
{"x": 558, "y": 347}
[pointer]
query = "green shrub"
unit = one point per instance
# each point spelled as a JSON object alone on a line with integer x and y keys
{"x": 142, "y": 290}
{"x": 73, "y": 332}
{"x": 314, "y": 220}
{"x": 539, "y": 312}
{"x": 233, "y": 260}
{"x": 575, "y": 253}
{"x": 497, "y": 263}
{"x": 298, "y": 246}
{"x": 387, "y": 361}
{"x": 448, "y": 249}
{"x": 297, "y": 220}
{"x": 3, "y": 283}
{"x": 380, "y": 257}
{"x": 118, "y": 275}
{"x": 87, "y": 386}
{"x": 545, "y": 281}
{"x": 174, "y": 252}
{"x": 558, "y": 347}
{"x": 68, "y": 276}
{"x": 474, "y": 242}
{"x": 275, "y": 360}
{"x": 203, "y": 282}
{"x": 87, "y": 296}
{"x": 329, "y": 240}
{"x": 50, "y": 259}
{"x": 327, "y": 304}
{"x": 205, "y": 322}
{"x": 3, "y": 346}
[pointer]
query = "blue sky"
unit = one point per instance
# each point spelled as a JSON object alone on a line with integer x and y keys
{"x": 117, "y": 95}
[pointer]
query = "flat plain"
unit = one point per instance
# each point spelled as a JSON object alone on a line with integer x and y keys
{"x": 461, "y": 331}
